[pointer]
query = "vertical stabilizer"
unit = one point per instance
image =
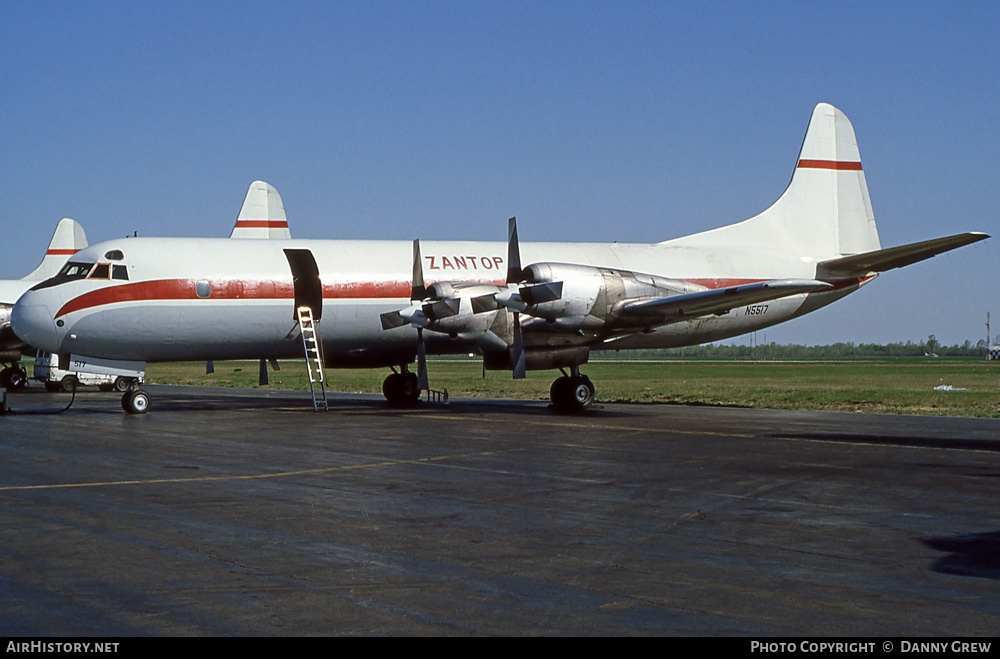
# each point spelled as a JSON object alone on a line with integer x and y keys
{"x": 262, "y": 215}
{"x": 68, "y": 239}
{"x": 825, "y": 211}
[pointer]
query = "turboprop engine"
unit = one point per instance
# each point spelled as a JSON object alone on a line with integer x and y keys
{"x": 579, "y": 297}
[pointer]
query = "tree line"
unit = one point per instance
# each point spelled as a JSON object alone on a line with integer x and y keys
{"x": 929, "y": 348}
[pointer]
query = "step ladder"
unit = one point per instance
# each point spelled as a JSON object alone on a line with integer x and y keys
{"x": 313, "y": 346}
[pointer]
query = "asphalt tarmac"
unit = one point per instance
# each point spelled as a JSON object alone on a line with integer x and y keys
{"x": 235, "y": 512}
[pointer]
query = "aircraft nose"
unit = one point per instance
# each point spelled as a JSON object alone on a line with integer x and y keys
{"x": 33, "y": 323}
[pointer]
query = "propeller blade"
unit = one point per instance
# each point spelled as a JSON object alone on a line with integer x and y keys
{"x": 209, "y": 367}
{"x": 442, "y": 308}
{"x": 421, "y": 362}
{"x": 517, "y": 351}
{"x": 391, "y": 319}
{"x": 514, "y": 272}
{"x": 484, "y": 303}
{"x": 539, "y": 293}
{"x": 419, "y": 291}
{"x": 262, "y": 373}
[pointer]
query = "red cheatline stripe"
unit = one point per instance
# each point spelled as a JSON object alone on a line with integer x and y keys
{"x": 60, "y": 252}
{"x": 184, "y": 289}
{"x": 830, "y": 164}
{"x": 261, "y": 224}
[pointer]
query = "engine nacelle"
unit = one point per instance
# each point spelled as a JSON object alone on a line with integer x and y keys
{"x": 591, "y": 296}
{"x": 456, "y": 316}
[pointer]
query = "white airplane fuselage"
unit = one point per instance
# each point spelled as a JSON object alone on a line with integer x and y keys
{"x": 248, "y": 311}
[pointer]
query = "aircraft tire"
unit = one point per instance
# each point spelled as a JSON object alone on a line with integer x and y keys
{"x": 17, "y": 380}
{"x": 410, "y": 391}
{"x": 122, "y": 384}
{"x": 135, "y": 401}
{"x": 68, "y": 384}
{"x": 400, "y": 389}
{"x": 390, "y": 388}
{"x": 571, "y": 394}
{"x": 583, "y": 392}
{"x": 5, "y": 377}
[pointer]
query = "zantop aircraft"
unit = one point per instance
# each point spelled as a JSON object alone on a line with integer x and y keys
{"x": 262, "y": 216}
{"x": 67, "y": 239}
{"x": 388, "y": 303}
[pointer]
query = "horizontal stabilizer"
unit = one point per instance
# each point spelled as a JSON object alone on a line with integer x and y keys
{"x": 721, "y": 300}
{"x": 881, "y": 260}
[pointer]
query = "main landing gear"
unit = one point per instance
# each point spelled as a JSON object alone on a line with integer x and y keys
{"x": 135, "y": 401}
{"x": 401, "y": 388}
{"x": 573, "y": 393}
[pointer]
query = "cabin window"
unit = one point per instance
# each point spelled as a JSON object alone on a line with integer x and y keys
{"x": 101, "y": 271}
{"x": 119, "y": 272}
{"x": 114, "y": 255}
{"x": 202, "y": 288}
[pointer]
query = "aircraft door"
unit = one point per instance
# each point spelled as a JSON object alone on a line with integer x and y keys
{"x": 305, "y": 279}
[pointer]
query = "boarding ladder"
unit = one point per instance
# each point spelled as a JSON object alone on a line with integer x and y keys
{"x": 313, "y": 345}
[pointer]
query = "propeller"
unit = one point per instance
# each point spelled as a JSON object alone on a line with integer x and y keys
{"x": 419, "y": 314}
{"x": 514, "y": 298}
{"x": 515, "y": 274}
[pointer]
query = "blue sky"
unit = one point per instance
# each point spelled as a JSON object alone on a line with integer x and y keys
{"x": 589, "y": 121}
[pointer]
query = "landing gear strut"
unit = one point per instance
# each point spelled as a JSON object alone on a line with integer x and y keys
{"x": 401, "y": 389}
{"x": 572, "y": 393}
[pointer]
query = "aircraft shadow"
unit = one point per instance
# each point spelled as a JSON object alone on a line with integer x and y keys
{"x": 976, "y": 555}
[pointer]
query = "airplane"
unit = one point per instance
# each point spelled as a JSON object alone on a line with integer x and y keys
{"x": 390, "y": 303}
{"x": 262, "y": 216}
{"x": 68, "y": 238}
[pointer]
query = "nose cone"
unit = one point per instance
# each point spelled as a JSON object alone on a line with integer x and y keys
{"x": 33, "y": 323}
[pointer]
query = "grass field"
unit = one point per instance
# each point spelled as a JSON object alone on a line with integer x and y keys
{"x": 896, "y": 386}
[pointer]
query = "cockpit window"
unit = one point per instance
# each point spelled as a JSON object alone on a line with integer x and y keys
{"x": 71, "y": 271}
{"x": 101, "y": 271}
{"x": 114, "y": 255}
{"x": 119, "y": 272}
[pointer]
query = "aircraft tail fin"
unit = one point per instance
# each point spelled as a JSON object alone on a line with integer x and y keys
{"x": 262, "y": 215}
{"x": 68, "y": 239}
{"x": 825, "y": 211}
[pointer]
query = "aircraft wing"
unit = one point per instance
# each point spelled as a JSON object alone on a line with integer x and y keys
{"x": 881, "y": 260}
{"x": 719, "y": 301}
